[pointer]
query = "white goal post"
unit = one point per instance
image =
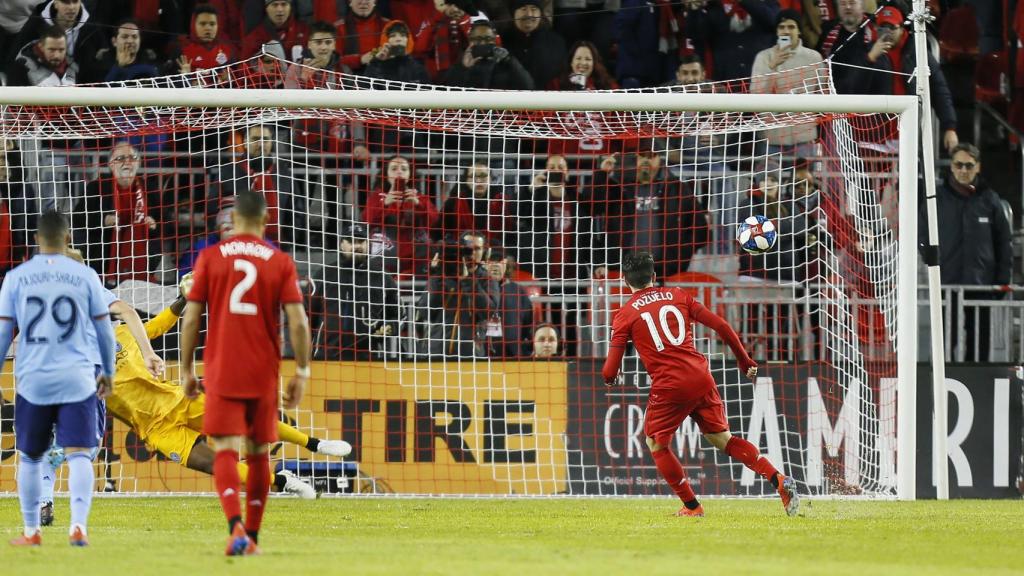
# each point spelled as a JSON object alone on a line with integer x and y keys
{"x": 906, "y": 107}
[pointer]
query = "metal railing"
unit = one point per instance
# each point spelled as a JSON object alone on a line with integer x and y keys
{"x": 794, "y": 323}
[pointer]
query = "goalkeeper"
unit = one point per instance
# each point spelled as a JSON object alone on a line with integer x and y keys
{"x": 170, "y": 423}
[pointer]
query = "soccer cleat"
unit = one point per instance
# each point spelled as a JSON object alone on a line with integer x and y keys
{"x": 294, "y": 485}
{"x": 33, "y": 540}
{"x": 336, "y": 448}
{"x": 790, "y": 497}
{"x": 77, "y": 537}
{"x": 252, "y": 549}
{"x": 238, "y": 542}
{"x": 46, "y": 514}
{"x": 697, "y": 512}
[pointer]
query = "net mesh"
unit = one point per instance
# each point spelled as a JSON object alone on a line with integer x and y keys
{"x": 460, "y": 268}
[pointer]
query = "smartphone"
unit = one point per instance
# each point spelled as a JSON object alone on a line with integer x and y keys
{"x": 556, "y": 178}
{"x": 395, "y": 50}
{"x": 400, "y": 185}
{"x": 784, "y": 42}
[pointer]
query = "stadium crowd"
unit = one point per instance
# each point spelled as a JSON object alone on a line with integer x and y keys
{"x": 488, "y": 242}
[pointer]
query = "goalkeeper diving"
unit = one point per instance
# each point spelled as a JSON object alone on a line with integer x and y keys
{"x": 170, "y": 423}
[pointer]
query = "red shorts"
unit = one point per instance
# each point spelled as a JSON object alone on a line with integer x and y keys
{"x": 668, "y": 407}
{"x": 254, "y": 418}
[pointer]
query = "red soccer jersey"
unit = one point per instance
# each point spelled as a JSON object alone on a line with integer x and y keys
{"x": 658, "y": 321}
{"x": 244, "y": 281}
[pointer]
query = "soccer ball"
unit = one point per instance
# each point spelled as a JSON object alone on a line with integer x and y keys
{"x": 756, "y": 235}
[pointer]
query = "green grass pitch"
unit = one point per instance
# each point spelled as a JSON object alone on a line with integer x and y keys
{"x": 527, "y": 537}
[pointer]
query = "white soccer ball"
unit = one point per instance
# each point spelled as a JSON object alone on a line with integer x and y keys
{"x": 757, "y": 234}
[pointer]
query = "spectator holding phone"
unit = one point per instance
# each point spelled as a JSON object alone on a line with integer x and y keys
{"x": 393, "y": 60}
{"x": 789, "y": 67}
{"x": 486, "y": 65}
{"x": 403, "y": 216}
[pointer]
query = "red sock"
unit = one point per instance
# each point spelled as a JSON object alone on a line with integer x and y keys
{"x": 672, "y": 471}
{"x": 225, "y": 479}
{"x": 747, "y": 453}
{"x": 257, "y": 488}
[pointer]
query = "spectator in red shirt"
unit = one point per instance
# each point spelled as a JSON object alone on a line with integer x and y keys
{"x": 281, "y": 25}
{"x": 360, "y": 32}
{"x": 404, "y": 217}
{"x": 205, "y": 47}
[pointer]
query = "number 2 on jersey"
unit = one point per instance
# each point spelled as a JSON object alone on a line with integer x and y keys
{"x": 674, "y": 339}
{"x": 235, "y": 304}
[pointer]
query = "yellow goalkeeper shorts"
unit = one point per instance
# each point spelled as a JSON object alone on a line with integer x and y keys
{"x": 176, "y": 433}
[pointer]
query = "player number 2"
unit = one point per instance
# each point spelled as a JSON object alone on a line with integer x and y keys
{"x": 236, "y": 306}
{"x": 674, "y": 339}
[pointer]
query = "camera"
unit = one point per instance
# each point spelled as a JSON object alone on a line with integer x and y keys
{"x": 482, "y": 50}
{"x": 451, "y": 257}
{"x": 556, "y": 178}
{"x": 396, "y": 50}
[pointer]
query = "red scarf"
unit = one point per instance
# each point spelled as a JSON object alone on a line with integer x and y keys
{"x": 561, "y": 210}
{"x": 129, "y": 250}
{"x": 451, "y": 38}
{"x": 670, "y": 26}
{"x": 263, "y": 181}
{"x": 899, "y": 82}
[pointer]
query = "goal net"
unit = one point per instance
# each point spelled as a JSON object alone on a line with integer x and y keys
{"x": 460, "y": 267}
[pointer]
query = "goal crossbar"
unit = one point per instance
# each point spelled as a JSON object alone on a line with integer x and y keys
{"x": 455, "y": 100}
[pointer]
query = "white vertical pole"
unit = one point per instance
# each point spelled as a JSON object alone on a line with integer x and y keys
{"x": 940, "y": 457}
{"x": 906, "y": 315}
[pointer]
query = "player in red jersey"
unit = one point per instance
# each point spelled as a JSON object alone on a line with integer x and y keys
{"x": 244, "y": 281}
{"x": 657, "y": 320}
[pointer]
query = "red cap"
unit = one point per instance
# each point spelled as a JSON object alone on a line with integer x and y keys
{"x": 889, "y": 15}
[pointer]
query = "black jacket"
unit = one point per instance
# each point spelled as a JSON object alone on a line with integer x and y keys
{"x": 516, "y": 316}
{"x": 865, "y": 77}
{"x": 500, "y": 72}
{"x": 974, "y": 236}
{"x": 537, "y": 221}
{"x": 681, "y": 219}
{"x": 399, "y": 69}
{"x": 733, "y": 52}
{"x": 353, "y": 302}
{"x": 542, "y": 53}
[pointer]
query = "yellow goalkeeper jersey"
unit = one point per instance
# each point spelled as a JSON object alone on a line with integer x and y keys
{"x": 138, "y": 398}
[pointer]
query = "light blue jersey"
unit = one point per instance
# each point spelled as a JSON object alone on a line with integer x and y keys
{"x": 53, "y": 300}
{"x": 108, "y": 299}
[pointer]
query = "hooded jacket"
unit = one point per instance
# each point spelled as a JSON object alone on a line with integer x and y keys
{"x": 206, "y": 55}
{"x": 30, "y": 69}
